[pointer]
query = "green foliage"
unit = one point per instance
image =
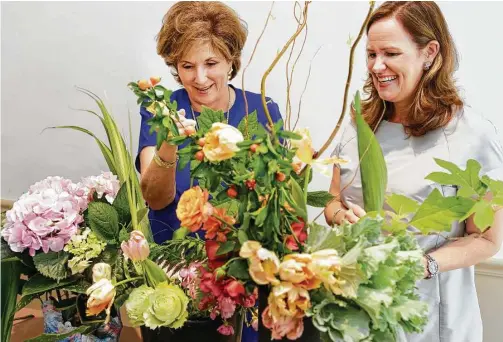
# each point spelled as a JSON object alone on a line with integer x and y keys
{"x": 52, "y": 264}
{"x": 373, "y": 170}
{"x": 11, "y": 272}
{"x": 104, "y": 221}
{"x": 39, "y": 284}
{"x": 176, "y": 254}
{"x": 83, "y": 329}
{"x": 319, "y": 199}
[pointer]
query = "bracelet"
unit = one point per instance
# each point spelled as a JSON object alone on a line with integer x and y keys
{"x": 335, "y": 214}
{"x": 162, "y": 163}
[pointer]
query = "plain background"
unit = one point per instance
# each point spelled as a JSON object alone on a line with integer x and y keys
{"x": 49, "y": 48}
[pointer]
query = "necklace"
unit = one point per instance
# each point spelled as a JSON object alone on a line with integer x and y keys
{"x": 228, "y": 109}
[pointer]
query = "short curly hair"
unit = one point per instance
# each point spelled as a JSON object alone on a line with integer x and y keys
{"x": 190, "y": 21}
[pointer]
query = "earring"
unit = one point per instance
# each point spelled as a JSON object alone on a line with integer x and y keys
{"x": 427, "y": 65}
{"x": 230, "y": 72}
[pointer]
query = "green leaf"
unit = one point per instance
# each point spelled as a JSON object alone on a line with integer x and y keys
{"x": 154, "y": 273}
{"x": 239, "y": 269}
{"x": 6, "y": 253}
{"x": 437, "y": 213}
{"x": 39, "y": 284}
{"x": 207, "y": 118}
{"x": 25, "y": 300}
{"x": 374, "y": 174}
{"x": 242, "y": 236}
{"x": 321, "y": 237}
{"x": 252, "y": 125}
{"x": 80, "y": 286}
{"x": 402, "y": 205}
{"x": 10, "y": 282}
{"x": 467, "y": 181}
{"x": 52, "y": 265}
{"x": 319, "y": 199}
{"x": 121, "y": 204}
{"x": 289, "y": 135}
{"x": 83, "y": 329}
{"x": 226, "y": 247}
{"x": 180, "y": 233}
{"x": 104, "y": 221}
{"x": 484, "y": 215}
{"x": 298, "y": 197}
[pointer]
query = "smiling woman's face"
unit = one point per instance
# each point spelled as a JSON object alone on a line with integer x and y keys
{"x": 204, "y": 73}
{"x": 394, "y": 61}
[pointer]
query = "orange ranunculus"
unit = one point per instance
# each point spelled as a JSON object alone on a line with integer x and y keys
{"x": 288, "y": 300}
{"x": 263, "y": 264}
{"x": 193, "y": 208}
{"x": 214, "y": 227}
{"x": 297, "y": 269}
{"x": 220, "y": 143}
{"x": 291, "y": 327}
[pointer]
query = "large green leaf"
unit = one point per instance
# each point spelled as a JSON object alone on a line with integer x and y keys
{"x": 83, "y": 329}
{"x": 437, "y": 213}
{"x": 52, "y": 265}
{"x": 39, "y": 284}
{"x": 121, "y": 204}
{"x": 104, "y": 221}
{"x": 467, "y": 180}
{"x": 402, "y": 205}
{"x": 373, "y": 170}
{"x": 319, "y": 199}
{"x": 154, "y": 273}
{"x": 11, "y": 272}
{"x": 321, "y": 237}
{"x": 25, "y": 300}
{"x": 239, "y": 269}
{"x": 207, "y": 118}
{"x": 298, "y": 198}
{"x": 252, "y": 125}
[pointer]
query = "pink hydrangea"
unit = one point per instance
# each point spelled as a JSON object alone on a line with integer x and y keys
{"x": 45, "y": 217}
{"x": 105, "y": 184}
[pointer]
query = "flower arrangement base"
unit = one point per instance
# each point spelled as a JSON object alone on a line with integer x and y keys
{"x": 310, "y": 334}
{"x": 192, "y": 331}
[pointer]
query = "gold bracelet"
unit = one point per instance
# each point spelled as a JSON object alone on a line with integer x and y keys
{"x": 334, "y": 215}
{"x": 164, "y": 164}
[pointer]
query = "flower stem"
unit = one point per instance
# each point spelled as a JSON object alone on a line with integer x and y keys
{"x": 307, "y": 175}
{"x": 127, "y": 281}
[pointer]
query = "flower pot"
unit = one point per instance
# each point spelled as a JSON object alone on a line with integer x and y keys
{"x": 192, "y": 331}
{"x": 310, "y": 334}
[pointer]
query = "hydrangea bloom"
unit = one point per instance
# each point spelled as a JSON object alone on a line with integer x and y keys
{"x": 45, "y": 217}
{"x": 84, "y": 246}
{"x": 105, "y": 184}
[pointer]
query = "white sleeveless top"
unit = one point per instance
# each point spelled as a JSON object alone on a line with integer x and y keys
{"x": 454, "y": 314}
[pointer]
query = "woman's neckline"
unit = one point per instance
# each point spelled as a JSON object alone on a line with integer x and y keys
{"x": 230, "y": 108}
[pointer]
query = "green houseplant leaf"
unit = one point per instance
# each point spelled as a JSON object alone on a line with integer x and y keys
{"x": 104, "y": 221}
{"x": 374, "y": 174}
{"x": 52, "y": 264}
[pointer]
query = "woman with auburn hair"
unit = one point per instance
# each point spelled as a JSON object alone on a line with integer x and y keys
{"x": 417, "y": 115}
{"x": 201, "y": 42}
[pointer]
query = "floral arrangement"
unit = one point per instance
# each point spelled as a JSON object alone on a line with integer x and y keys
{"x": 355, "y": 282}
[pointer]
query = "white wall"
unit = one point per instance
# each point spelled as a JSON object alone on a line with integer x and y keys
{"x": 50, "y": 47}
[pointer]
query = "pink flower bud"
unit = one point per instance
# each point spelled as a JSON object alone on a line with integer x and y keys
{"x": 136, "y": 248}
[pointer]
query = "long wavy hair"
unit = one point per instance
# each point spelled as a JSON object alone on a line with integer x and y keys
{"x": 437, "y": 97}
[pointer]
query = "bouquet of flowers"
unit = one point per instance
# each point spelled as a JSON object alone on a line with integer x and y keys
{"x": 354, "y": 282}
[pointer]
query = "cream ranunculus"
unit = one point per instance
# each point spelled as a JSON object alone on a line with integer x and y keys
{"x": 101, "y": 297}
{"x": 101, "y": 271}
{"x": 221, "y": 142}
{"x": 263, "y": 264}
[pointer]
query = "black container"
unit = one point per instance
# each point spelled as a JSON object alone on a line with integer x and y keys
{"x": 311, "y": 334}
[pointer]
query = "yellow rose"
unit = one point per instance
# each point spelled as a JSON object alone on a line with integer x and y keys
{"x": 263, "y": 264}
{"x": 101, "y": 297}
{"x": 220, "y": 143}
{"x": 288, "y": 300}
{"x": 326, "y": 265}
{"x": 193, "y": 208}
{"x": 297, "y": 269}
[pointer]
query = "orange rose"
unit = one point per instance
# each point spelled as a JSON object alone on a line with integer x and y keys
{"x": 193, "y": 209}
{"x": 288, "y": 300}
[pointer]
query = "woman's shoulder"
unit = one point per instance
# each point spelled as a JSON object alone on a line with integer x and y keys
{"x": 254, "y": 99}
{"x": 467, "y": 120}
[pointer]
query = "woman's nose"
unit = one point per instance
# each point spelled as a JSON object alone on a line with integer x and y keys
{"x": 201, "y": 76}
{"x": 379, "y": 65}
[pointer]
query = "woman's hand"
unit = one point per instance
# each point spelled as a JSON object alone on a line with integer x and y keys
{"x": 185, "y": 126}
{"x": 354, "y": 213}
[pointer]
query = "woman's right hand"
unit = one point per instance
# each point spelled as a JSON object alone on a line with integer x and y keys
{"x": 185, "y": 126}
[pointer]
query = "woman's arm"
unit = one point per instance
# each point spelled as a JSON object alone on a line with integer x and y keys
{"x": 471, "y": 249}
{"x": 158, "y": 182}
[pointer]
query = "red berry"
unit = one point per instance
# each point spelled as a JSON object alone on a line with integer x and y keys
{"x": 189, "y": 130}
{"x": 199, "y": 155}
{"x": 144, "y": 85}
{"x": 253, "y": 148}
{"x": 201, "y": 142}
{"x": 232, "y": 192}
{"x": 280, "y": 176}
{"x": 251, "y": 183}
{"x": 154, "y": 80}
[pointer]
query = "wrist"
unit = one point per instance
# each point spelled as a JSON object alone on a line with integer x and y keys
{"x": 431, "y": 266}
{"x": 337, "y": 212}
{"x": 167, "y": 152}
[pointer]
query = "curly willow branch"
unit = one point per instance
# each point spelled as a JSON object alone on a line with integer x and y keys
{"x": 278, "y": 57}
